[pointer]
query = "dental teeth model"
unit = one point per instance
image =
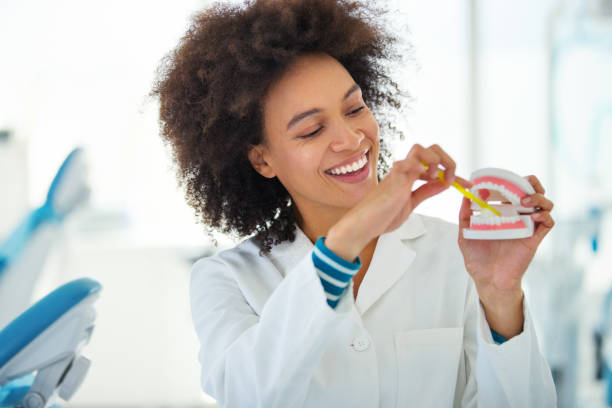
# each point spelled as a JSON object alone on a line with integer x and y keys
{"x": 502, "y": 190}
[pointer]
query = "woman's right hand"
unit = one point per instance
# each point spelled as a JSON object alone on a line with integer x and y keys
{"x": 392, "y": 201}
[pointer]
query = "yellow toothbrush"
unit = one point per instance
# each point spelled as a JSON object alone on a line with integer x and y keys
{"x": 466, "y": 193}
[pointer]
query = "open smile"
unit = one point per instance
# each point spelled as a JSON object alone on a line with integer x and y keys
{"x": 353, "y": 170}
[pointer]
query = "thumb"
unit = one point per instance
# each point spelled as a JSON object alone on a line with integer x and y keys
{"x": 426, "y": 191}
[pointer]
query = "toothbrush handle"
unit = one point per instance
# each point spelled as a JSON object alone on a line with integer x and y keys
{"x": 469, "y": 195}
{"x": 466, "y": 193}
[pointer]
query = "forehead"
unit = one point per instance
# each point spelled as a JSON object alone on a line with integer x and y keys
{"x": 312, "y": 81}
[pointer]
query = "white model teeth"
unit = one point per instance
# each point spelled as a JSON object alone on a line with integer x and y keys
{"x": 350, "y": 167}
{"x": 494, "y": 220}
{"x": 513, "y": 198}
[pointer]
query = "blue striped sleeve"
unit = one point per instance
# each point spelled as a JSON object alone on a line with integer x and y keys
{"x": 334, "y": 271}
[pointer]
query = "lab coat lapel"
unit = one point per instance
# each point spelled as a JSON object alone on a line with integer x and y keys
{"x": 392, "y": 258}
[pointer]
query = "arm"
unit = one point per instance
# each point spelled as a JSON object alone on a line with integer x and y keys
{"x": 264, "y": 360}
{"x": 512, "y": 374}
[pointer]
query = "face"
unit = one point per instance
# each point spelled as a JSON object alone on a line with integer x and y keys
{"x": 317, "y": 127}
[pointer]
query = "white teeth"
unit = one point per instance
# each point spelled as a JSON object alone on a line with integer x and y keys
{"x": 350, "y": 167}
{"x": 493, "y": 220}
{"x": 513, "y": 198}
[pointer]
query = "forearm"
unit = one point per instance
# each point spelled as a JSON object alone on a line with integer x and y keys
{"x": 503, "y": 310}
{"x": 248, "y": 357}
{"x": 345, "y": 240}
{"x": 514, "y": 374}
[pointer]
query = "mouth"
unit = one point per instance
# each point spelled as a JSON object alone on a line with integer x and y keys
{"x": 353, "y": 171}
{"x": 502, "y": 190}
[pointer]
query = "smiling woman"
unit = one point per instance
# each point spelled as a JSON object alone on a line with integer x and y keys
{"x": 211, "y": 126}
{"x": 343, "y": 296}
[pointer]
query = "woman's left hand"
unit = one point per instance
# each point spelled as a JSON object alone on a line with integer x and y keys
{"x": 498, "y": 266}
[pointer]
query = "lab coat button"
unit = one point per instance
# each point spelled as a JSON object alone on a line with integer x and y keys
{"x": 360, "y": 344}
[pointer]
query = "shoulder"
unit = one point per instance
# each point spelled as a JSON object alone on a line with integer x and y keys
{"x": 239, "y": 273}
{"x": 242, "y": 265}
{"x": 237, "y": 257}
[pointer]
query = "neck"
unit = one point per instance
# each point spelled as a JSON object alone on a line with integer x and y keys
{"x": 317, "y": 222}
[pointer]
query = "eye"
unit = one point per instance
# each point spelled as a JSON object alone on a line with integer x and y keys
{"x": 311, "y": 134}
{"x": 356, "y": 111}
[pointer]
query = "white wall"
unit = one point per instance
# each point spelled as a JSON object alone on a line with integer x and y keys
{"x": 78, "y": 73}
{"x": 438, "y": 82}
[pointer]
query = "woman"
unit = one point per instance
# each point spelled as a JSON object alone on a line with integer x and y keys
{"x": 341, "y": 295}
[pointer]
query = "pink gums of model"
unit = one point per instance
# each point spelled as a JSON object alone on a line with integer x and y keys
{"x": 507, "y": 189}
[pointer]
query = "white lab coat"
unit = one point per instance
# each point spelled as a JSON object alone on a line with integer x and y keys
{"x": 416, "y": 336}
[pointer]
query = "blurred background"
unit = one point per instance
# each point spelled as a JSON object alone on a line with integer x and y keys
{"x": 521, "y": 85}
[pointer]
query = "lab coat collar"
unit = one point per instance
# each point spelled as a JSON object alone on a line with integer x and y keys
{"x": 392, "y": 258}
{"x": 288, "y": 254}
{"x": 412, "y": 228}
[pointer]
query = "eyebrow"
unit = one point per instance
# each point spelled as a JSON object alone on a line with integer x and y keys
{"x": 313, "y": 111}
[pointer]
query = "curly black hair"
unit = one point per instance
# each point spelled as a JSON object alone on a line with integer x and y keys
{"x": 211, "y": 89}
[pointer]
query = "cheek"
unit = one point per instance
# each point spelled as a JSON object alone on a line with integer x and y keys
{"x": 301, "y": 161}
{"x": 372, "y": 129}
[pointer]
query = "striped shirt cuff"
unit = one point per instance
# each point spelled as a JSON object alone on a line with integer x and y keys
{"x": 334, "y": 271}
{"x": 497, "y": 338}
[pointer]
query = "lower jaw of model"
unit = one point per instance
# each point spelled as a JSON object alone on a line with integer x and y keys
{"x": 502, "y": 190}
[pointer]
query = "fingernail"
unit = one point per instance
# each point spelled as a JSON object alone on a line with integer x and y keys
{"x": 527, "y": 200}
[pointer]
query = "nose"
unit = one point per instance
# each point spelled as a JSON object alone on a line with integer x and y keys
{"x": 346, "y": 138}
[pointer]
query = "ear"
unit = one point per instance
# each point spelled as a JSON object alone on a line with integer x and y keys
{"x": 257, "y": 157}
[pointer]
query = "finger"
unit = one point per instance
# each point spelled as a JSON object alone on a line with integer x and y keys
{"x": 538, "y": 200}
{"x": 544, "y": 227}
{"x": 409, "y": 170}
{"x": 544, "y": 218}
{"x": 463, "y": 182}
{"x": 447, "y": 162}
{"x": 537, "y": 186}
{"x": 426, "y": 191}
{"x": 426, "y": 156}
{"x": 465, "y": 212}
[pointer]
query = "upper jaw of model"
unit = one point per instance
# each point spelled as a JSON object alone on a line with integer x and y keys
{"x": 507, "y": 189}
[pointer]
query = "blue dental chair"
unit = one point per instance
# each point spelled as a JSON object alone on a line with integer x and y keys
{"x": 40, "y": 346}
{"x": 40, "y": 351}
